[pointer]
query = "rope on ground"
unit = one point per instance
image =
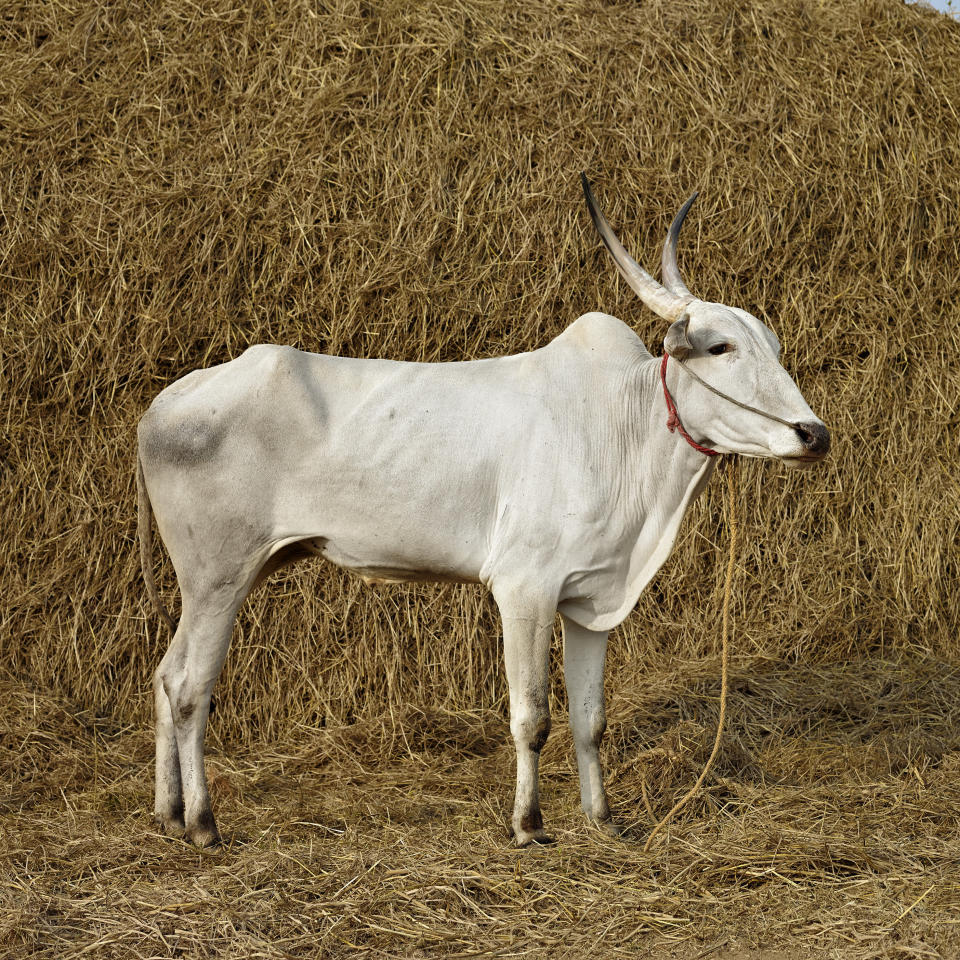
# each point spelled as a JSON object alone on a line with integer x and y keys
{"x": 730, "y": 470}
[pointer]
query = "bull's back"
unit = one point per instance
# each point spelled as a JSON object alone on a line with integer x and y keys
{"x": 390, "y": 466}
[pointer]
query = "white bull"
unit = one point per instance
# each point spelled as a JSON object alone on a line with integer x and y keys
{"x": 551, "y": 477}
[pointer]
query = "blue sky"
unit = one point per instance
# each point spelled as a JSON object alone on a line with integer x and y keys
{"x": 947, "y": 6}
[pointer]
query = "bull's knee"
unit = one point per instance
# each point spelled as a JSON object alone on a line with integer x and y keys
{"x": 589, "y": 725}
{"x": 531, "y": 728}
{"x": 590, "y": 733}
{"x": 184, "y": 696}
{"x": 172, "y": 685}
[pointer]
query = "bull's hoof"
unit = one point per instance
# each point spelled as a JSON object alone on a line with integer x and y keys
{"x": 204, "y": 839}
{"x": 204, "y": 832}
{"x": 611, "y": 828}
{"x": 524, "y": 838}
{"x": 170, "y": 826}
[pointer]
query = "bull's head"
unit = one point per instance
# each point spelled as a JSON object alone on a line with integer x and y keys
{"x": 729, "y": 350}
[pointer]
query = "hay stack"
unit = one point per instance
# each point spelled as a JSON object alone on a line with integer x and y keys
{"x": 396, "y": 180}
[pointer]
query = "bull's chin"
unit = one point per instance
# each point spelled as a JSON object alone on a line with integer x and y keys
{"x": 800, "y": 463}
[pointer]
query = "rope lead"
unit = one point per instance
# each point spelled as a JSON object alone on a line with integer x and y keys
{"x": 730, "y": 470}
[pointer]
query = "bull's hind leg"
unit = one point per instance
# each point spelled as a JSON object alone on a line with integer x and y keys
{"x": 527, "y": 631}
{"x": 185, "y": 680}
{"x": 168, "y": 802}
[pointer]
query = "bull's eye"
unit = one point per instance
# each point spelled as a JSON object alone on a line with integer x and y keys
{"x": 719, "y": 348}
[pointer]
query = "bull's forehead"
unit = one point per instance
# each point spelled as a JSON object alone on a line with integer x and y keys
{"x": 734, "y": 324}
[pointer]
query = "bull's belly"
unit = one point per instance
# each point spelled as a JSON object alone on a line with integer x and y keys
{"x": 397, "y": 569}
{"x": 382, "y": 565}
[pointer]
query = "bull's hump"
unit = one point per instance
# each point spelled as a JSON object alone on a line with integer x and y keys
{"x": 602, "y": 335}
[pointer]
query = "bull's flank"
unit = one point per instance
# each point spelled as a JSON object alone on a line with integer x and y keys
{"x": 181, "y": 180}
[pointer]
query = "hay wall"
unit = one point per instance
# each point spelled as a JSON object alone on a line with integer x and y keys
{"x": 400, "y": 180}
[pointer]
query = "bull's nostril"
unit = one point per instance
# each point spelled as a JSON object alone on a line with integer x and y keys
{"x": 814, "y": 436}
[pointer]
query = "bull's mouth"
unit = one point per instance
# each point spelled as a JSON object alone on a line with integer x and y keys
{"x": 802, "y": 462}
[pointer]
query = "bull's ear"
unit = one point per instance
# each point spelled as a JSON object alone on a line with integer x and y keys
{"x": 676, "y": 342}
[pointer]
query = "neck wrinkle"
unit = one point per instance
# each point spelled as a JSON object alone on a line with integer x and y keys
{"x": 658, "y": 466}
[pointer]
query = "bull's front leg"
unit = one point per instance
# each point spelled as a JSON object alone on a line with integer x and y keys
{"x": 527, "y": 632}
{"x": 584, "y": 654}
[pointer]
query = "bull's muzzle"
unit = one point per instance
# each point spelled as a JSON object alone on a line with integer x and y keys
{"x": 815, "y": 438}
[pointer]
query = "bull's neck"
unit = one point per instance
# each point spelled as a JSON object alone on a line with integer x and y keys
{"x": 658, "y": 465}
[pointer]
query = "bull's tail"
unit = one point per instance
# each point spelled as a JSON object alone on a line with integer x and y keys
{"x": 145, "y": 535}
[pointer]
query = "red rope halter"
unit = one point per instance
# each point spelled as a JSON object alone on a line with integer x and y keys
{"x": 673, "y": 418}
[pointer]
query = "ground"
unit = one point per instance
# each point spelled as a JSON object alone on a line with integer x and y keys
{"x": 830, "y": 829}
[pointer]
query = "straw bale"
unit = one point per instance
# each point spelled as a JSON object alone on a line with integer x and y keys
{"x": 400, "y": 181}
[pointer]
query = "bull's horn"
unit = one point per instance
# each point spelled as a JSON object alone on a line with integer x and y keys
{"x": 669, "y": 269}
{"x": 661, "y": 301}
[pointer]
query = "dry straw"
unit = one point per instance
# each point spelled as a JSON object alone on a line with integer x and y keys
{"x": 181, "y": 180}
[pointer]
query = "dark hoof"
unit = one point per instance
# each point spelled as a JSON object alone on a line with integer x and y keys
{"x": 524, "y": 838}
{"x": 203, "y": 838}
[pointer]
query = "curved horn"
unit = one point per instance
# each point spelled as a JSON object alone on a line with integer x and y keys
{"x": 661, "y": 301}
{"x": 668, "y": 265}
